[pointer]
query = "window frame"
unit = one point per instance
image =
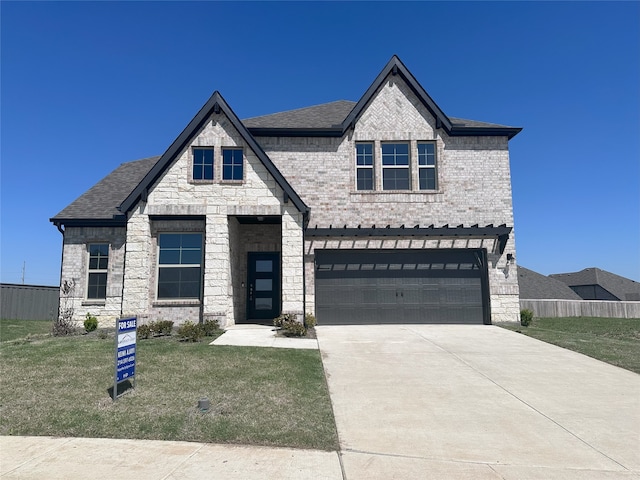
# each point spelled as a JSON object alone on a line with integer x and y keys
{"x": 395, "y": 166}
{"x": 160, "y": 266}
{"x": 202, "y": 165}
{"x": 233, "y": 165}
{"x": 97, "y": 271}
{"x": 425, "y": 167}
{"x": 365, "y": 166}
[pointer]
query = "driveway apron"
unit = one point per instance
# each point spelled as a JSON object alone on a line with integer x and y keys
{"x": 466, "y": 401}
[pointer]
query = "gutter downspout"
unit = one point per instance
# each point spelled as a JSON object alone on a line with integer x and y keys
{"x": 61, "y": 230}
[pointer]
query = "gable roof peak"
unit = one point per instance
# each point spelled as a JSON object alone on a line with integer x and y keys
{"x": 216, "y": 104}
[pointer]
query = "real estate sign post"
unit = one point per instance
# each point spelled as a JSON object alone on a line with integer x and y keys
{"x": 125, "y": 364}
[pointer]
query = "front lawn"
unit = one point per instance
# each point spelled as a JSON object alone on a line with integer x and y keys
{"x": 261, "y": 396}
{"x": 612, "y": 340}
{"x": 14, "y": 329}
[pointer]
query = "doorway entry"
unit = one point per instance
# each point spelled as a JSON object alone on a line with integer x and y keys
{"x": 263, "y": 285}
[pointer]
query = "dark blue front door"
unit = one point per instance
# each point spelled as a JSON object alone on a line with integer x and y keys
{"x": 263, "y": 286}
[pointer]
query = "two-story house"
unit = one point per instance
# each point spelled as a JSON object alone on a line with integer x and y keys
{"x": 383, "y": 210}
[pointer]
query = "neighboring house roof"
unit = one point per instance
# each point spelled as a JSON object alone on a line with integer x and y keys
{"x": 340, "y": 118}
{"x": 101, "y": 202}
{"x": 621, "y": 287}
{"x": 535, "y": 286}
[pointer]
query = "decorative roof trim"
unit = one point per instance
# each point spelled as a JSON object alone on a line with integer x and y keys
{"x": 501, "y": 233}
{"x": 215, "y": 104}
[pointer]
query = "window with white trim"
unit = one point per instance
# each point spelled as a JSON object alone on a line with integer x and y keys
{"x": 232, "y": 164}
{"x": 427, "y": 166}
{"x": 97, "y": 271}
{"x": 179, "y": 265}
{"x": 395, "y": 166}
{"x": 203, "y": 163}
{"x": 364, "y": 166}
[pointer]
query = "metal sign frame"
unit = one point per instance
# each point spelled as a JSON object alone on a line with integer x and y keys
{"x": 125, "y": 353}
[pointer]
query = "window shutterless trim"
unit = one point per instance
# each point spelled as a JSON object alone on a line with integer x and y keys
{"x": 395, "y": 166}
{"x": 160, "y": 266}
{"x": 232, "y": 164}
{"x": 424, "y": 166}
{"x": 365, "y": 161}
{"x": 204, "y": 167}
{"x": 97, "y": 270}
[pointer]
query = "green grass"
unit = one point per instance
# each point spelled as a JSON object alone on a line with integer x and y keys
{"x": 14, "y": 329}
{"x": 261, "y": 396}
{"x": 612, "y": 340}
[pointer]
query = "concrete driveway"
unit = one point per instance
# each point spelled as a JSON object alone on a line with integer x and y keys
{"x": 477, "y": 402}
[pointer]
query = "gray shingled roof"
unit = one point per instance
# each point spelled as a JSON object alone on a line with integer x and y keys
{"x": 534, "y": 285}
{"x": 622, "y": 287}
{"x": 101, "y": 200}
{"x": 330, "y": 115}
{"x": 326, "y": 115}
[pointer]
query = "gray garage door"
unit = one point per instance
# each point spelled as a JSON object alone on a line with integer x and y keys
{"x": 401, "y": 286}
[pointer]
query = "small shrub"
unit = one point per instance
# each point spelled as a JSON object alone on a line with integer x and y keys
{"x": 90, "y": 323}
{"x": 144, "y": 331}
{"x": 526, "y": 316}
{"x": 211, "y": 328}
{"x": 309, "y": 320}
{"x": 191, "y": 332}
{"x": 294, "y": 329}
{"x": 282, "y": 319}
{"x": 162, "y": 327}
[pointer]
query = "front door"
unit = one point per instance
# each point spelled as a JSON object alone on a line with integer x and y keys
{"x": 263, "y": 286}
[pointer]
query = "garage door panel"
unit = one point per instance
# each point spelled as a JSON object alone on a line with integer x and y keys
{"x": 418, "y": 286}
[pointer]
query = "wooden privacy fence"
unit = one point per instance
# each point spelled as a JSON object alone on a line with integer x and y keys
{"x": 28, "y": 302}
{"x": 581, "y": 308}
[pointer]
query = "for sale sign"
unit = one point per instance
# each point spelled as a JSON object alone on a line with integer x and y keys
{"x": 126, "y": 330}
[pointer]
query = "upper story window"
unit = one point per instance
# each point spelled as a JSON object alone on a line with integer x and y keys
{"x": 395, "y": 166}
{"x": 179, "y": 265}
{"x": 232, "y": 164}
{"x": 98, "y": 268}
{"x": 203, "y": 163}
{"x": 364, "y": 166}
{"x": 427, "y": 166}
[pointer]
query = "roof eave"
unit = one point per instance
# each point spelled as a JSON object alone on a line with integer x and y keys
{"x": 463, "y": 131}
{"x": 115, "y": 221}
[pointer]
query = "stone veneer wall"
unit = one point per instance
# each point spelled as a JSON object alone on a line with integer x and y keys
{"x": 75, "y": 260}
{"x": 214, "y": 201}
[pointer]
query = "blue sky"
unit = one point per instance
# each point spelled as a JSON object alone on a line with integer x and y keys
{"x": 86, "y": 86}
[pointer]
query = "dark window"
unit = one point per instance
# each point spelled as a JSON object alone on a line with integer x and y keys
{"x": 395, "y": 166}
{"x": 427, "y": 166}
{"x": 231, "y": 164}
{"x": 179, "y": 265}
{"x": 364, "y": 166}
{"x": 203, "y": 163}
{"x": 98, "y": 267}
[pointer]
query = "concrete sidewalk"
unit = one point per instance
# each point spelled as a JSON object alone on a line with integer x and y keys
{"x": 477, "y": 402}
{"x": 246, "y": 335}
{"x": 49, "y": 458}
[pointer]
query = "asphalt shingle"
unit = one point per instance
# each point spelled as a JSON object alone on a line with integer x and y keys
{"x": 103, "y": 199}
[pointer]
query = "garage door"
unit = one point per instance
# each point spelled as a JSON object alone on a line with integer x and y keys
{"x": 401, "y": 286}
